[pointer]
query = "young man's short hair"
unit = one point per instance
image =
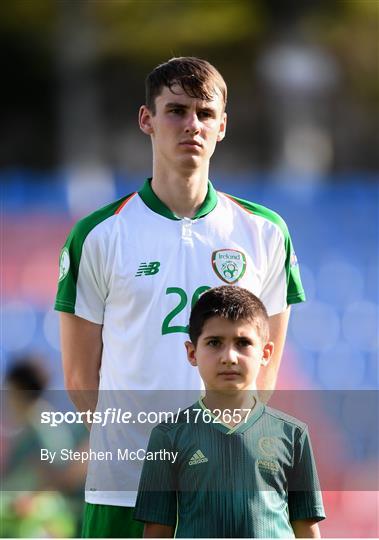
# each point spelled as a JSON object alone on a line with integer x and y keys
{"x": 197, "y": 77}
{"x": 231, "y": 303}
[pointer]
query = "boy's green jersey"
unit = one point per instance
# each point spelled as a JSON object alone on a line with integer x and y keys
{"x": 248, "y": 481}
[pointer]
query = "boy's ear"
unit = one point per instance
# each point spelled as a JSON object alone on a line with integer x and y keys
{"x": 268, "y": 349}
{"x": 144, "y": 120}
{"x": 222, "y": 130}
{"x": 190, "y": 347}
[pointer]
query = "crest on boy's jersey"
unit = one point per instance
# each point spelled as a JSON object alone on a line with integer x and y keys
{"x": 268, "y": 446}
{"x": 229, "y": 264}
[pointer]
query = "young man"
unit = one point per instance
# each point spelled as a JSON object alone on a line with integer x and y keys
{"x": 130, "y": 272}
{"x": 239, "y": 469}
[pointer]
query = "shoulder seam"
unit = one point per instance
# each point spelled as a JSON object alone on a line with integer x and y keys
{"x": 91, "y": 221}
{"x": 125, "y": 202}
{"x": 260, "y": 211}
{"x": 297, "y": 423}
{"x": 236, "y": 202}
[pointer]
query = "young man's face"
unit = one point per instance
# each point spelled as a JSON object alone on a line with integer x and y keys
{"x": 184, "y": 130}
{"x": 229, "y": 354}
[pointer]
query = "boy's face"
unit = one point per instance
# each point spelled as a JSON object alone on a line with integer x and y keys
{"x": 229, "y": 354}
{"x": 184, "y": 130}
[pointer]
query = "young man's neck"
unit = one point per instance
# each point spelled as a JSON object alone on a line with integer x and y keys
{"x": 182, "y": 192}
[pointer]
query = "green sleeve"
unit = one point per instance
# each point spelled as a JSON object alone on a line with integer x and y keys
{"x": 156, "y": 499}
{"x": 71, "y": 254}
{"x": 304, "y": 492}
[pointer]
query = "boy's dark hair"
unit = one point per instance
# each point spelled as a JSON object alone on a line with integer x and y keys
{"x": 231, "y": 303}
{"x": 197, "y": 77}
{"x": 27, "y": 375}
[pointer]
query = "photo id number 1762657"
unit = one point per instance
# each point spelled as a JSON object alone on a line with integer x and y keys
{"x": 217, "y": 416}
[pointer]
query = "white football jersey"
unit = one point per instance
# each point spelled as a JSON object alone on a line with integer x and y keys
{"x": 136, "y": 268}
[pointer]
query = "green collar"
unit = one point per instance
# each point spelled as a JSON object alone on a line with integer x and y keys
{"x": 156, "y": 205}
{"x": 247, "y": 422}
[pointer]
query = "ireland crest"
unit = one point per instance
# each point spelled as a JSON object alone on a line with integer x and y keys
{"x": 229, "y": 264}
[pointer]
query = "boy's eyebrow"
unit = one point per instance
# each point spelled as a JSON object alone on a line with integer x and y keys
{"x": 247, "y": 338}
{"x": 174, "y": 105}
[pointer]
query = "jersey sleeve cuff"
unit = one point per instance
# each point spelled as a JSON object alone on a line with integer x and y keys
{"x": 64, "y": 306}
{"x": 317, "y": 514}
{"x": 69, "y": 308}
{"x": 296, "y": 298}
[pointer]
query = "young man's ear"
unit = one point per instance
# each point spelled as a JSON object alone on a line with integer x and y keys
{"x": 268, "y": 349}
{"x": 144, "y": 120}
{"x": 190, "y": 347}
{"x": 222, "y": 130}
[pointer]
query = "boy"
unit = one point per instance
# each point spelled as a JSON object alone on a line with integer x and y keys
{"x": 241, "y": 469}
{"x": 140, "y": 263}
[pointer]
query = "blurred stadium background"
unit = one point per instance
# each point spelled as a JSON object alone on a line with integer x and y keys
{"x": 302, "y": 139}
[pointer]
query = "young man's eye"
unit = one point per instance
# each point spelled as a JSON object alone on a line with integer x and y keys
{"x": 204, "y": 114}
{"x": 177, "y": 111}
{"x": 214, "y": 342}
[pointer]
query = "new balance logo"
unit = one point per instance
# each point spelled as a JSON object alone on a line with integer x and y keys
{"x": 148, "y": 269}
{"x": 197, "y": 458}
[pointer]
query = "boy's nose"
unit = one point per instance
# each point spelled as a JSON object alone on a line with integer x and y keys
{"x": 229, "y": 356}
